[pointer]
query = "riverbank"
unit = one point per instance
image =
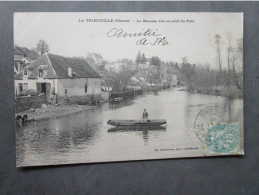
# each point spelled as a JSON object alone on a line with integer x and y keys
{"x": 53, "y": 111}
{"x": 66, "y": 106}
{"x": 231, "y": 92}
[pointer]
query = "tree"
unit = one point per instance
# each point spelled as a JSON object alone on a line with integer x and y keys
{"x": 143, "y": 59}
{"x": 240, "y": 49}
{"x": 184, "y": 60}
{"x": 229, "y": 51}
{"x": 138, "y": 58}
{"x": 94, "y": 59}
{"x": 218, "y": 43}
{"x": 119, "y": 81}
{"x": 176, "y": 66}
{"x": 42, "y": 47}
{"x": 155, "y": 61}
{"x": 237, "y": 54}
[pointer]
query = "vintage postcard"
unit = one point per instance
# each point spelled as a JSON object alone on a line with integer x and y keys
{"x": 101, "y": 87}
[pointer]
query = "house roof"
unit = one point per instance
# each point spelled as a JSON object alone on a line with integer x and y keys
{"x": 79, "y": 66}
{"x": 18, "y": 57}
{"x": 26, "y": 52}
{"x": 16, "y": 52}
{"x": 57, "y": 68}
{"x": 28, "y": 58}
{"x": 18, "y": 76}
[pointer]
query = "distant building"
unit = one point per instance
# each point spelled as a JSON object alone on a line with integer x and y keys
{"x": 115, "y": 67}
{"x": 145, "y": 65}
{"x": 142, "y": 77}
{"x": 119, "y": 66}
{"x": 20, "y": 61}
{"x": 53, "y": 74}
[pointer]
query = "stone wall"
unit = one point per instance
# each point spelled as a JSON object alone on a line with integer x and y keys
{"x": 78, "y": 87}
{"x": 81, "y": 100}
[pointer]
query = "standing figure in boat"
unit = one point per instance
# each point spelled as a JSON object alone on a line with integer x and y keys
{"x": 145, "y": 115}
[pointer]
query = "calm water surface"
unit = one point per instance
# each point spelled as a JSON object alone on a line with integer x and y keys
{"x": 84, "y": 137}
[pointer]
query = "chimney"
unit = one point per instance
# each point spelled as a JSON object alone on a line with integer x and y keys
{"x": 70, "y": 72}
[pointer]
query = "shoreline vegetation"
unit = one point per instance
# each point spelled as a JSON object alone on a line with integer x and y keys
{"x": 53, "y": 111}
{"x": 48, "y": 111}
{"x": 224, "y": 79}
{"x": 70, "y": 105}
{"x": 67, "y": 106}
{"x": 230, "y": 93}
{"x": 37, "y": 107}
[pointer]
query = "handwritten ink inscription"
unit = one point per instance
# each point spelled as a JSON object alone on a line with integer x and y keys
{"x": 145, "y": 37}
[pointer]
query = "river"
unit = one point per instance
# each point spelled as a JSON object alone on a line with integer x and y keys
{"x": 85, "y": 136}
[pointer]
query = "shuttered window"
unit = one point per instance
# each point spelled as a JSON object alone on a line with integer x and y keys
{"x": 25, "y": 86}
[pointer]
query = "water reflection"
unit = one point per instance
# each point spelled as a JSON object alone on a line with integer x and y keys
{"x": 119, "y": 104}
{"x": 136, "y": 128}
{"x": 86, "y": 137}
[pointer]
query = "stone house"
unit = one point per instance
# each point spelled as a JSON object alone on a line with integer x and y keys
{"x": 114, "y": 67}
{"x": 53, "y": 74}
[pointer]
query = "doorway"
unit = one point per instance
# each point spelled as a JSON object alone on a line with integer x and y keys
{"x": 44, "y": 88}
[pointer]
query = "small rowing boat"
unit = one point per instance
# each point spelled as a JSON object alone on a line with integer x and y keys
{"x": 118, "y": 99}
{"x": 136, "y": 128}
{"x": 141, "y": 122}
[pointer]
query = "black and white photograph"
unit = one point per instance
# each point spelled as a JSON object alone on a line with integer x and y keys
{"x": 123, "y": 86}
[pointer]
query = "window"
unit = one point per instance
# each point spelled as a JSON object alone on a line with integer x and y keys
{"x": 40, "y": 73}
{"x": 19, "y": 67}
{"x": 85, "y": 88}
{"x": 20, "y": 87}
{"x": 25, "y": 72}
{"x": 25, "y": 86}
{"x": 65, "y": 91}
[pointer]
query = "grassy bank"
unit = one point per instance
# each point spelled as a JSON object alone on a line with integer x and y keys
{"x": 229, "y": 92}
{"x": 53, "y": 111}
{"x": 39, "y": 110}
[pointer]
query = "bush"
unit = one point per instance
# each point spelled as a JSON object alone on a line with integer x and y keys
{"x": 82, "y": 100}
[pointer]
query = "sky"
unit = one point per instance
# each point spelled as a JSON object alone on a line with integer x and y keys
{"x": 185, "y": 34}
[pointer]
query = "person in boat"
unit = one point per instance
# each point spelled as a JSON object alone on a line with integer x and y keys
{"x": 145, "y": 114}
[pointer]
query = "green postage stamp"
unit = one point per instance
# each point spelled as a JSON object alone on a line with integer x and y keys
{"x": 222, "y": 138}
